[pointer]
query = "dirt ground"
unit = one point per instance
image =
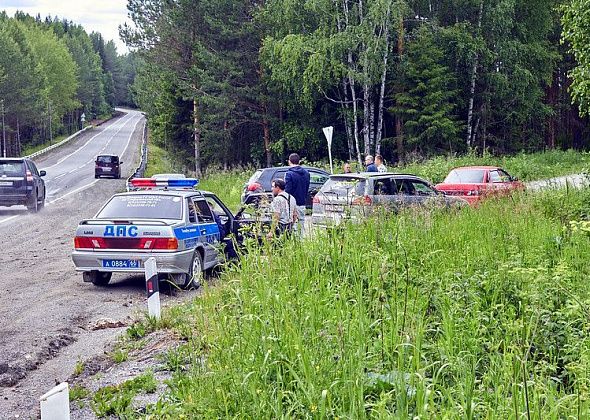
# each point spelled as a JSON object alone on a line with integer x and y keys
{"x": 49, "y": 314}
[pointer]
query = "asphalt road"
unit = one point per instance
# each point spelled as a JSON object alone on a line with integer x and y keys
{"x": 48, "y": 313}
{"x": 71, "y": 169}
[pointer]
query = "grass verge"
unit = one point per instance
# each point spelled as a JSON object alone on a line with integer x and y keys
{"x": 480, "y": 313}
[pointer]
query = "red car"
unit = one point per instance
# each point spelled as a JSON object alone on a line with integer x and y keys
{"x": 474, "y": 183}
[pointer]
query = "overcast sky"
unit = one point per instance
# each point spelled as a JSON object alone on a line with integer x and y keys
{"x": 102, "y": 16}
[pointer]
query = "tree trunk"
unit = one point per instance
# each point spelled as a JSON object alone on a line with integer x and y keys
{"x": 473, "y": 80}
{"x": 266, "y": 130}
{"x": 552, "y": 94}
{"x": 366, "y": 112}
{"x": 399, "y": 134}
{"x": 18, "y": 144}
{"x": 347, "y": 126}
{"x": 379, "y": 133}
{"x": 354, "y": 111}
{"x": 197, "y": 137}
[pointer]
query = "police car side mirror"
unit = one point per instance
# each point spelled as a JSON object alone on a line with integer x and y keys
{"x": 42, "y": 173}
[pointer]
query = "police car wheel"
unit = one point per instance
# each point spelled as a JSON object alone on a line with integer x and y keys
{"x": 98, "y": 278}
{"x": 195, "y": 274}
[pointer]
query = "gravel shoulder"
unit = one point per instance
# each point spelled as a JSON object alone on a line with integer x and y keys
{"x": 48, "y": 311}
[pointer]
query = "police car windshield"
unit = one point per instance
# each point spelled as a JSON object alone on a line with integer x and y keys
{"x": 142, "y": 206}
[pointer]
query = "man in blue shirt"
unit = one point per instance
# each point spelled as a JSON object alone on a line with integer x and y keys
{"x": 297, "y": 184}
{"x": 371, "y": 167}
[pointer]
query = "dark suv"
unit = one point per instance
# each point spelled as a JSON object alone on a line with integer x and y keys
{"x": 21, "y": 184}
{"x": 107, "y": 165}
{"x": 261, "y": 180}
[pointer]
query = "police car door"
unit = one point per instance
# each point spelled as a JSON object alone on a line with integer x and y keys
{"x": 208, "y": 233}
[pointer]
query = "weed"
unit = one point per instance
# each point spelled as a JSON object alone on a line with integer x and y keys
{"x": 120, "y": 355}
{"x": 116, "y": 400}
{"x": 79, "y": 368}
{"x": 78, "y": 392}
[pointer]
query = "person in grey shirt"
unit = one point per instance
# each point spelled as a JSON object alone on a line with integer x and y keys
{"x": 283, "y": 208}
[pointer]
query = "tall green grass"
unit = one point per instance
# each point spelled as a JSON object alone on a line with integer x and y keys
{"x": 477, "y": 313}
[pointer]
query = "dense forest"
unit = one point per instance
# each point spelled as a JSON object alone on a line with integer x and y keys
{"x": 52, "y": 71}
{"x": 236, "y": 81}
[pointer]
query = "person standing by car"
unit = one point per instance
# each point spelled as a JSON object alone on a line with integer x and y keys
{"x": 370, "y": 166}
{"x": 283, "y": 208}
{"x": 346, "y": 168}
{"x": 297, "y": 184}
{"x": 379, "y": 163}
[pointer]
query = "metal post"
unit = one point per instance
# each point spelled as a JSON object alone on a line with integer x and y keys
{"x": 3, "y": 131}
{"x": 152, "y": 288}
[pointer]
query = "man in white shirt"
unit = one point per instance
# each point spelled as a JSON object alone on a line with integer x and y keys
{"x": 379, "y": 162}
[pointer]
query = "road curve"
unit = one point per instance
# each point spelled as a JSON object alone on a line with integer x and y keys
{"x": 47, "y": 310}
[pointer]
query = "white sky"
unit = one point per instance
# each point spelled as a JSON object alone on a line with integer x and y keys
{"x": 102, "y": 16}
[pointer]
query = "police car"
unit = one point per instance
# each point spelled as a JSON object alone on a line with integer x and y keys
{"x": 184, "y": 229}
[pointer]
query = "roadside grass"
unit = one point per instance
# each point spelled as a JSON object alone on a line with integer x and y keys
{"x": 158, "y": 161}
{"x": 30, "y": 149}
{"x": 117, "y": 400}
{"x": 448, "y": 314}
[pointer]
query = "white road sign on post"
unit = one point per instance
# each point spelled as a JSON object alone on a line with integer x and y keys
{"x": 152, "y": 288}
{"x": 328, "y": 131}
{"x": 55, "y": 404}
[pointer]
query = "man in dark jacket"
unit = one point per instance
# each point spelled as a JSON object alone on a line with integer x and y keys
{"x": 297, "y": 179}
{"x": 370, "y": 164}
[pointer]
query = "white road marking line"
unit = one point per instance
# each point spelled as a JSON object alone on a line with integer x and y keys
{"x": 129, "y": 139}
{"x": 9, "y": 218}
{"x": 92, "y": 138}
{"x": 108, "y": 142}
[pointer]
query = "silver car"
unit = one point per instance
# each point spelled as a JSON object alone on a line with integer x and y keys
{"x": 176, "y": 227}
{"x": 356, "y": 196}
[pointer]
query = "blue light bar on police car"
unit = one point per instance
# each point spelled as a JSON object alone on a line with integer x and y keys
{"x": 164, "y": 183}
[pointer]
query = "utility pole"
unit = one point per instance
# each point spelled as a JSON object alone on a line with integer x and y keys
{"x": 3, "y": 131}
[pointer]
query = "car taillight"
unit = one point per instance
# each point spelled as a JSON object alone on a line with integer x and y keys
{"x": 315, "y": 200}
{"x": 254, "y": 186}
{"x": 29, "y": 176}
{"x": 362, "y": 201}
{"x": 87, "y": 242}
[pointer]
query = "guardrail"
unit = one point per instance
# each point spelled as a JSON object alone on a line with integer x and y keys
{"x": 140, "y": 171}
{"x": 53, "y": 146}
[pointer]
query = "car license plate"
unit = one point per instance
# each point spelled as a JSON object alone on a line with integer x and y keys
{"x": 334, "y": 207}
{"x": 106, "y": 169}
{"x": 5, "y": 183}
{"x": 121, "y": 263}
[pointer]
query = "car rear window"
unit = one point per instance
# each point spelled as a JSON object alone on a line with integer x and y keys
{"x": 107, "y": 159}
{"x": 255, "y": 176}
{"x": 465, "y": 176}
{"x": 11, "y": 168}
{"x": 142, "y": 206}
{"x": 344, "y": 186}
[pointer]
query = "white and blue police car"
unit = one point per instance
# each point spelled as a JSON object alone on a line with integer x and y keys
{"x": 168, "y": 219}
